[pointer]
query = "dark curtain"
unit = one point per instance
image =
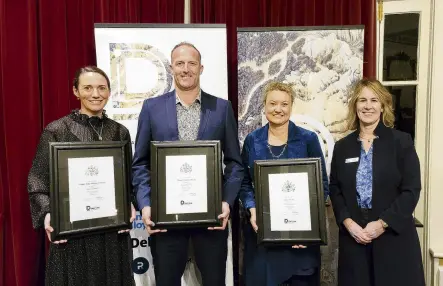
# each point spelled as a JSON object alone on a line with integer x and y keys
{"x": 275, "y": 13}
{"x": 42, "y": 43}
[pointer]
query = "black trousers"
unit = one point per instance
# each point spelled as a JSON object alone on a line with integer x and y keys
{"x": 170, "y": 254}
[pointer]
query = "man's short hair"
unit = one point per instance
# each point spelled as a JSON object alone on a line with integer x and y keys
{"x": 189, "y": 45}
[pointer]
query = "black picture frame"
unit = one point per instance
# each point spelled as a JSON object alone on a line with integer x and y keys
{"x": 317, "y": 235}
{"x": 159, "y": 151}
{"x": 59, "y": 153}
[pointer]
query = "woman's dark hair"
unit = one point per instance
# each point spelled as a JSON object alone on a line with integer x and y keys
{"x": 86, "y": 69}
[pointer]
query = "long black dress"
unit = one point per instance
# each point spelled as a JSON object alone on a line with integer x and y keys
{"x": 97, "y": 260}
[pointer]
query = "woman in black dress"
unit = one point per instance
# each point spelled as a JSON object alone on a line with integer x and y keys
{"x": 98, "y": 260}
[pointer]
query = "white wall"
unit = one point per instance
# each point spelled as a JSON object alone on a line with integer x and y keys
{"x": 435, "y": 176}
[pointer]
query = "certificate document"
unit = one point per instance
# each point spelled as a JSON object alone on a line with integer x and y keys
{"x": 289, "y": 202}
{"x": 186, "y": 184}
{"x": 91, "y": 188}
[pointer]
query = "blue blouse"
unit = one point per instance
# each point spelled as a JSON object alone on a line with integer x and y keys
{"x": 272, "y": 266}
{"x": 364, "y": 178}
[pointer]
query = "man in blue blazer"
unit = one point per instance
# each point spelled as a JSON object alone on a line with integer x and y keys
{"x": 187, "y": 113}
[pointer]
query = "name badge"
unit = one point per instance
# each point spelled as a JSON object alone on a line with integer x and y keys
{"x": 351, "y": 160}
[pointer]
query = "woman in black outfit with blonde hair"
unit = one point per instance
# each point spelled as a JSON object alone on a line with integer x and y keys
{"x": 374, "y": 187}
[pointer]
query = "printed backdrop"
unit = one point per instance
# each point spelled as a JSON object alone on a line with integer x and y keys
{"x": 137, "y": 59}
{"x": 323, "y": 63}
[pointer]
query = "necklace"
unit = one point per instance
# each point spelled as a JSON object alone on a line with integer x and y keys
{"x": 282, "y": 151}
{"x": 96, "y": 132}
{"x": 368, "y": 139}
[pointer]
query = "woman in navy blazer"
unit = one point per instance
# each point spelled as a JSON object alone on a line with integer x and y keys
{"x": 279, "y": 139}
{"x": 375, "y": 186}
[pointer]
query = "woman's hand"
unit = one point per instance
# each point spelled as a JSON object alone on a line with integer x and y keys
{"x": 49, "y": 229}
{"x": 253, "y": 219}
{"x": 357, "y": 232}
{"x": 374, "y": 229}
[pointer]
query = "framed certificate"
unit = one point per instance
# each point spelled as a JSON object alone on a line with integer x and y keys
{"x": 290, "y": 202}
{"x": 90, "y": 187}
{"x": 186, "y": 184}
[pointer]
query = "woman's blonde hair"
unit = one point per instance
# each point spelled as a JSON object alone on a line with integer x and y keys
{"x": 280, "y": 86}
{"x": 383, "y": 96}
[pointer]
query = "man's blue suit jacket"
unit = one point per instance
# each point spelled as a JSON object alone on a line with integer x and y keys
{"x": 158, "y": 122}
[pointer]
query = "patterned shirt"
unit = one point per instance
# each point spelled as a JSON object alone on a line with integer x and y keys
{"x": 188, "y": 118}
{"x": 364, "y": 179}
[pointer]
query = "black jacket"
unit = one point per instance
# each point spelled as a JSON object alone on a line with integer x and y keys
{"x": 396, "y": 190}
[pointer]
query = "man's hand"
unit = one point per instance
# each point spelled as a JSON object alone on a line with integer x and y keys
{"x": 130, "y": 220}
{"x": 374, "y": 229}
{"x": 224, "y": 216}
{"x": 49, "y": 229}
{"x": 146, "y": 217}
{"x": 357, "y": 232}
{"x": 253, "y": 219}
